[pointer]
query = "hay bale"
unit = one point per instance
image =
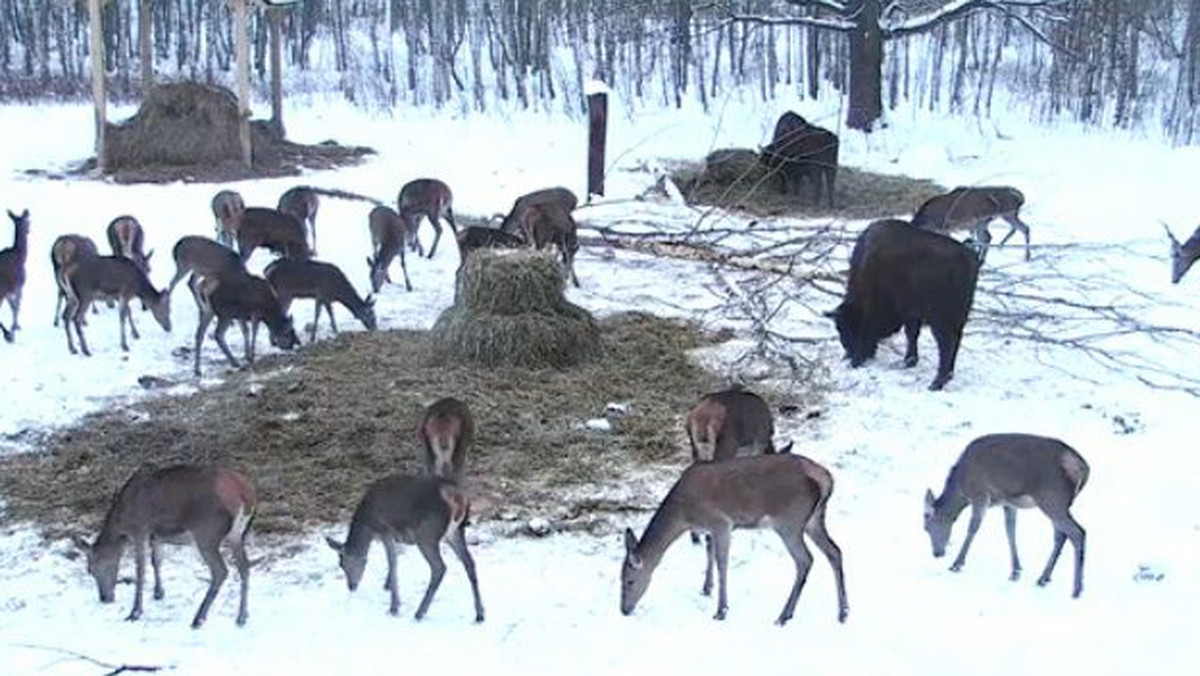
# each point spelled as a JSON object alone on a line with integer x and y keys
{"x": 510, "y": 310}
{"x": 729, "y": 165}
{"x": 178, "y": 124}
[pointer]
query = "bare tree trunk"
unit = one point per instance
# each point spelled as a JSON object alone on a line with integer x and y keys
{"x": 866, "y": 66}
{"x": 145, "y": 49}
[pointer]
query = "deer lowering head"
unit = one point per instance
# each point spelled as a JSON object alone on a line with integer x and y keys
{"x": 424, "y": 511}
{"x": 972, "y": 208}
{"x": 548, "y": 224}
{"x": 12, "y": 270}
{"x": 63, "y": 253}
{"x": 126, "y": 237}
{"x": 117, "y": 277}
{"x": 248, "y": 300}
{"x": 558, "y": 196}
{"x": 325, "y": 284}
{"x": 227, "y": 208}
{"x": 302, "y": 202}
{"x": 1183, "y": 255}
{"x": 202, "y": 257}
{"x": 430, "y": 198}
{"x": 210, "y": 504}
{"x": 275, "y": 230}
{"x": 389, "y": 235}
{"x": 1015, "y": 471}
{"x": 446, "y": 432}
{"x": 787, "y": 492}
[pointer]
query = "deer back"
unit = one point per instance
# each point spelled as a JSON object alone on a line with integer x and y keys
{"x": 278, "y": 231}
{"x": 724, "y": 423}
{"x": 446, "y": 432}
{"x": 410, "y": 508}
{"x": 178, "y": 499}
{"x": 428, "y": 196}
{"x": 560, "y": 196}
{"x": 205, "y": 257}
{"x": 66, "y": 249}
{"x": 301, "y": 202}
{"x": 1017, "y": 468}
{"x": 126, "y": 237}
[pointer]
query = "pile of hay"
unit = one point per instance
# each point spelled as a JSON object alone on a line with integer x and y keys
{"x": 510, "y": 310}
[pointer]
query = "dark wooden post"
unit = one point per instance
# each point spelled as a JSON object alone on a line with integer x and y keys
{"x": 96, "y": 47}
{"x": 274, "y": 17}
{"x": 597, "y": 99}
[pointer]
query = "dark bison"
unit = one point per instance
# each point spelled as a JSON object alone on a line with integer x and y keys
{"x": 901, "y": 276}
{"x": 801, "y": 151}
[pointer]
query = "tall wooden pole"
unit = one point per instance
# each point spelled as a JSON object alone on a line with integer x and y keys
{"x": 242, "y": 50}
{"x": 274, "y": 17}
{"x": 145, "y": 52}
{"x": 96, "y": 39}
{"x": 597, "y": 100}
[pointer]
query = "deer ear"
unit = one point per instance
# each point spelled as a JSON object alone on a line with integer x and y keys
{"x": 786, "y": 450}
{"x": 149, "y": 254}
{"x": 929, "y": 500}
{"x": 631, "y": 542}
{"x": 334, "y": 545}
{"x": 370, "y": 300}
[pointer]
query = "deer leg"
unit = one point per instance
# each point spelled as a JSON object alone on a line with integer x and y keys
{"x": 312, "y": 331}
{"x": 122, "y": 317}
{"x": 458, "y": 544}
{"x": 437, "y": 570}
{"x": 242, "y": 562}
{"x": 253, "y": 339}
{"x": 8, "y": 336}
{"x": 1010, "y": 528}
{"x": 815, "y": 528}
{"x": 1015, "y": 223}
{"x": 912, "y": 330}
{"x": 206, "y": 317}
{"x": 793, "y": 539}
{"x": 129, "y": 318}
{"x": 404, "y": 269}
{"x": 437, "y": 235}
{"x": 977, "y": 510}
{"x": 219, "y": 336}
{"x": 389, "y": 548}
{"x": 14, "y": 301}
{"x": 709, "y": 558}
{"x": 139, "y": 563}
{"x": 210, "y": 551}
{"x": 75, "y": 308}
{"x": 1066, "y": 527}
{"x": 332, "y": 321}
{"x": 720, "y": 545}
{"x": 156, "y": 566}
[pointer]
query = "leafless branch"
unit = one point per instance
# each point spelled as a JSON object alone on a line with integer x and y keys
{"x": 113, "y": 669}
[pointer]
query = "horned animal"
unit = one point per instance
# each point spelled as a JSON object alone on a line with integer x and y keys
{"x": 800, "y": 151}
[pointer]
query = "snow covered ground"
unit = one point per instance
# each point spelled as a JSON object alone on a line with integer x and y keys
{"x": 552, "y": 603}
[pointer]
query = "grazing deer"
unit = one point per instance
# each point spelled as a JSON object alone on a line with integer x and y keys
{"x": 245, "y": 298}
{"x": 559, "y": 196}
{"x": 446, "y": 431}
{"x": 389, "y": 234}
{"x": 12, "y": 270}
{"x": 430, "y": 198}
{"x": 1015, "y": 471}
{"x": 210, "y": 504}
{"x": 549, "y": 224}
{"x": 65, "y": 250}
{"x": 126, "y": 237}
{"x": 787, "y": 492}
{"x": 424, "y": 511}
{"x": 227, "y": 208}
{"x": 725, "y": 423}
{"x": 90, "y": 277}
{"x": 278, "y": 231}
{"x": 1183, "y": 255}
{"x": 302, "y": 202}
{"x": 972, "y": 208}
{"x": 474, "y": 237}
{"x": 324, "y": 283}
{"x": 202, "y": 257}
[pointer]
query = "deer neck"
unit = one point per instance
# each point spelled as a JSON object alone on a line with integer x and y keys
{"x": 667, "y": 524}
{"x": 952, "y": 501}
{"x": 358, "y": 540}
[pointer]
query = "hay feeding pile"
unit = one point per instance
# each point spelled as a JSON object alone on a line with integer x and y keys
{"x": 733, "y": 178}
{"x": 510, "y": 311}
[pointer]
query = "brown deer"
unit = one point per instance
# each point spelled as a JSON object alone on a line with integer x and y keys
{"x": 1015, "y": 471}
{"x": 559, "y": 196}
{"x": 430, "y": 198}
{"x": 12, "y": 270}
{"x": 126, "y": 237}
{"x": 787, "y": 492}
{"x": 1183, "y": 255}
{"x": 227, "y": 208}
{"x": 474, "y": 237}
{"x": 210, "y": 504}
{"x": 65, "y": 250}
{"x": 446, "y": 432}
{"x": 389, "y": 234}
{"x": 324, "y": 283}
{"x": 726, "y": 423}
{"x": 549, "y": 224}
{"x": 90, "y": 277}
{"x": 424, "y": 511}
{"x": 972, "y": 208}
{"x": 302, "y": 202}
{"x": 278, "y": 231}
{"x": 202, "y": 257}
{"x": 249, "y": 300}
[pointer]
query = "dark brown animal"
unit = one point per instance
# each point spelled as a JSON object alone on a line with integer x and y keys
{"x": 972, "y": 208}
{"x": 202, "y": 257}
{"x": 208, "y": 505}
{"x": 474, "y": 237}
{"x": 424, "y": 511}
{"x": 302, "y": 202}
{"x": 560, "y": 196}
{"x": 126, "y": 237}
{"x": 549, "y": 224}
{"x": 325, "y": 284}
{"x": 430, "y": 198}
{"x": 280, "y": 232}
{"x": 248, "y": 300}
{"x": 728, "y": 423}
{"x": 227, "y": 208}
{"x": 901, "y": 276}
{"x": 1183, "y": 255}
{"x": 12, "y": 270}
{"x": 63, "y": 252}
{"x": 389, "y": 234}
{"x": 801, "y": 151}
{"x": 446, "y": 432}
{"x": 1014, "y": 471}
{"x": 89, "y": 278}
{"x": 787, "y": 492}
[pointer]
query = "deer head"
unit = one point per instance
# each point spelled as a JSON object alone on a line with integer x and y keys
{"x": 1183, "y": 255}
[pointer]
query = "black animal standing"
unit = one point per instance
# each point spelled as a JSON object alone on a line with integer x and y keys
{"x": 800, "y": 151}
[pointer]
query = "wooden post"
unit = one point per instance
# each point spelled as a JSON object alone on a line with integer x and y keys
{"x": 96, "y": 39}
{"x": 274, "y": 17}
{"x": 145, "y": 49}
{"x": 242, "y": 51}
{"x": 597, "y": 99}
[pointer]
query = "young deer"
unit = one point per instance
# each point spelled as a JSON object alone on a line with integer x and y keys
{"x": 446, "y": 431}
{"x": 972, "y": 208}
{"x": 787, "y": 492}
{"x": 65, "y": 250}
{"x": 725, "y": 423}
{"x": 278, "y": 231}
{"x": 550, "y": 224}
{"x": 126, "y": 237}
{"x": 389, "y": 234}
{"x": 245, "y": 298}
{"x": 1183, "y": 255}
{"x": 12, "y": 270}
{"x": 90, "y": 277}
{"x": 324, "y": 283}
{"x": 302, "y": 202}
{"x": 430, "y": 198}
{"x": 210, "y": 504}
{"x": 202, "y": 257}
{"x": 227, "y": 208}
{"x": 424, "y": 511}
{"x": 1015, "y": 471}
{"x": 558, "y": 196}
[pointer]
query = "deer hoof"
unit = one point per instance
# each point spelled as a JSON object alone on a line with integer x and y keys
{"x": 957, "y": 566}
{"x": 1043, "y": 581}
{"x": 241, "y": 619}
{"x": 159, "y": 594}
{"x": 133, "y": 615}
{"x": 1016, "y": 575}
{"x": 910, "y": 362}
{"x": 720, "y": 614}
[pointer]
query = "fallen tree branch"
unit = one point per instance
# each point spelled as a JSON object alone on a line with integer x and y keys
{"x": 114, "y": 669}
